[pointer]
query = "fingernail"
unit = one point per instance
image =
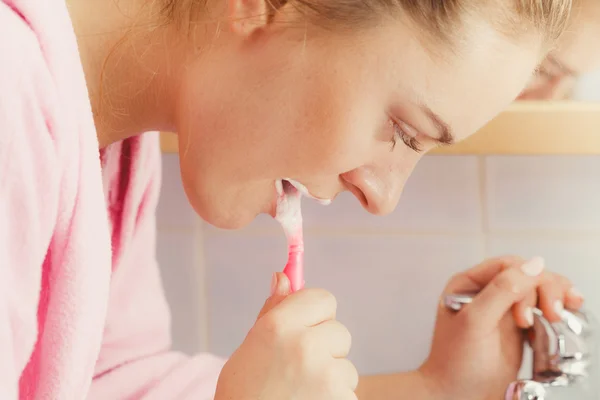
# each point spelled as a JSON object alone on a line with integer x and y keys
{"x": 533, "y": 267}
{"x": 273, "y": 283}
{"x": 529, "y": 316}
{"x": 575, "y": 293}
{"x": 559, "y": 307}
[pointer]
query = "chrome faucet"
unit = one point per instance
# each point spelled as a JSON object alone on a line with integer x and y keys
{"x": 564, "y": 352}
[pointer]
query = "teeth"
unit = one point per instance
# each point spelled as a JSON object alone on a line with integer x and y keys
{"x": 303, "y": 189}
{"x": 279, "y": 187}
{"x": 300, "y": 187}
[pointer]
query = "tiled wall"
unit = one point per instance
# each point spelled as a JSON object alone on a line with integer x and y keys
{"x": 387, "y": 272}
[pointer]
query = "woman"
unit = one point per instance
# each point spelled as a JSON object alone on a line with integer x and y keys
{"x": 336, "y": 95}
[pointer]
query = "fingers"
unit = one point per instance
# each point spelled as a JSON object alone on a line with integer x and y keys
{"x": 557, "y": 293}
{"x": 552, "y": 299}
{"x": 523, "y": 310}
{"x": 476, "y": 278}
{"x": 342, "y": 377}
{"x": 348, "y": 373}
{"x": 280, "y": 289}
{"x": 306, "y": 308}
{"x": 574, "y": 299}
{"x": 498, "y": 297}
{"x": 334, "y": 336}
{"x": 504, "y": 282}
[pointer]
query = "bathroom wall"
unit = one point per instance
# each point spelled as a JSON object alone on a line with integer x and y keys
{"x": 387, "y": 272}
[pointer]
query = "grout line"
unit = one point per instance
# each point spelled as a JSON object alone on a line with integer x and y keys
{"x": 483, "y": 203}
{"x": 355, "y": 231}
{"x": 201, "y": 272}
{"x": 549, "y": 234}
{"x": 345, "y": 232}
{"x": 380, "y": 232}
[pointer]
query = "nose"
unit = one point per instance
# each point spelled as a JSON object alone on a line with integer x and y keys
{"x": 555, "y": 88}
{"x": 378, "y": 188}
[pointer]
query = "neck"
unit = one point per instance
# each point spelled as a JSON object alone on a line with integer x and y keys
{"x": 129, "y": 62}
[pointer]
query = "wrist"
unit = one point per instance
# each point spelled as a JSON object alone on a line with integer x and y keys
{"x": 405, "y": 385}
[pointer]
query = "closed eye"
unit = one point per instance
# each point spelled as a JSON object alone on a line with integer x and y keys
{"x": 399, "y": 133}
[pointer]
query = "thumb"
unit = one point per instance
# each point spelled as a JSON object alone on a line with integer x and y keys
{"x": 280, "y": 289}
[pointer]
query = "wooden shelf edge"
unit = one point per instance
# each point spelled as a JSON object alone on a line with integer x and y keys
{"x": 525, "y": 128}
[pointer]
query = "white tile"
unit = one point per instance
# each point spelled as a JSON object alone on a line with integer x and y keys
{"x": 174, "y": 210}
{"x": 177, "y": 254}
{"x": 576, "y": 258}
{"x": 239, "y": 270}
{"x": 543, "y": 193}
{"x": 387, "y": 287}
{"x": 587, "y": 87}
{"x": 442, "y": 195}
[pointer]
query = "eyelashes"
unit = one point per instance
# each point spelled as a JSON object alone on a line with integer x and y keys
{"x": 400, "y": 134}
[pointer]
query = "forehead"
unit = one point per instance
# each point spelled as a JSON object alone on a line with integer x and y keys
{"x": 468, "y": 85}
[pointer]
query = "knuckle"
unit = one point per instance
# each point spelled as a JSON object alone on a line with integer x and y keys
{"x": 271, "y": 325}
{"x": 508, "y": 283}
{"x": 301, "y": 357}
{"x": 456, "y": 278}
{"x": 563, "y": 280}
{"x": 303, "y": 347}
{"x": 504, "y": 262}
{"x": 467, "y": 319}
{"x": 325, "y": 299}
{"x": 546, "y": 278}
{"x": 339, "y": 376}
{"x": 511, "y": 259}
{"x": 330, "y": 376}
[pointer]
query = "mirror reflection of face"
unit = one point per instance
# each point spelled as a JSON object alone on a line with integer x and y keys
{"x": 577, "y": 53}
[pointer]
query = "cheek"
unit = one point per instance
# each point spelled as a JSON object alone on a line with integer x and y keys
{"x": 336, "y": 130}
{"x": 305, "y": 119}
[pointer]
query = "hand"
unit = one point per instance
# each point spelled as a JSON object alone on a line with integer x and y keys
{"x": 296, "y": 350}
{"x": 478, "y": 351}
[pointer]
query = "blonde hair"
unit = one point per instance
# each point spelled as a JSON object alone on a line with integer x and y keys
{"x": 439, "y": 19}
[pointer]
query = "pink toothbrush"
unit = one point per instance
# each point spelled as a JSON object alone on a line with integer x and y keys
{"x": 289, "y": 216}
{"x": 294, "y": 269}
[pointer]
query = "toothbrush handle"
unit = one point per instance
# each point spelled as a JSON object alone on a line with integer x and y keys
{"x": 294, "y": 270}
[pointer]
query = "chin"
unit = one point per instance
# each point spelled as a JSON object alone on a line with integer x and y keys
{"x": 228, "y": 222}
{"x": 225, "y": 219}
{"x": 223, "y": 210}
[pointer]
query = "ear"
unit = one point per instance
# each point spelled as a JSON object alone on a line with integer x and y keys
{"x": 249, "y": 16}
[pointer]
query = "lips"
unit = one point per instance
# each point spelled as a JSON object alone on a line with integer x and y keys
{"x": 289, "y": 185}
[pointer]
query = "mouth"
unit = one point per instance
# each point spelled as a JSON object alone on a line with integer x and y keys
{"x": 291, "y": 187}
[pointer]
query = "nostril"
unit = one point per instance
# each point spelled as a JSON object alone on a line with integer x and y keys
{"x": 359, "y": 194}
{"x": 376, "y": 189}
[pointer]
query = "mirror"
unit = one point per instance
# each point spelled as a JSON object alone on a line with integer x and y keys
{"x": 564, "y": 84}
{"x": 571, "y": 69}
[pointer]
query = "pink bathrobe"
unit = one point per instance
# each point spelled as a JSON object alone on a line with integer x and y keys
{"x": 82, "y": 310}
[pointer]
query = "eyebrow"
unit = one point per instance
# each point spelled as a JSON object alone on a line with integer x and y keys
{"x": 445, "y": 132}
{"x": 561, "y": 66}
